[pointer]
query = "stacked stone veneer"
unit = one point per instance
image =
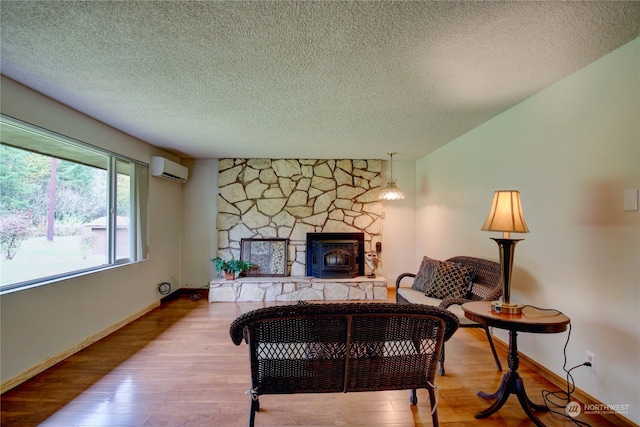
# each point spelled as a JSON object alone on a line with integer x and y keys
{"x": 297, "y": 288}
{"x": 286, "y": 198}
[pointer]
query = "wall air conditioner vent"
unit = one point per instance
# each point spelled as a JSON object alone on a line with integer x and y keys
{"x": 165, "y": 168}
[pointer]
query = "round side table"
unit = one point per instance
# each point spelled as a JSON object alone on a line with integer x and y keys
{"x": 532, "y": 320}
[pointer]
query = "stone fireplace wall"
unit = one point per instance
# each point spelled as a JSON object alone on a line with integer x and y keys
{"x": 286, "y": 198}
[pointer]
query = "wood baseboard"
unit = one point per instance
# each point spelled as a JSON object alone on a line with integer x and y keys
{"x": 49, "y": 362}
{"x": 193, "y": 293}
{"x": 560, "y": 382}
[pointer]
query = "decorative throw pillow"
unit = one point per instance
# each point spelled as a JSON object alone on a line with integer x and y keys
{"x": 425, "y": 274}
{"x": 450, "y": 281}
{"x": 325, "y": 350}
{"x": 366, "y": 350}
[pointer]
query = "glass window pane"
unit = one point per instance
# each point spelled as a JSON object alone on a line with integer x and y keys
{"x": 123, "y": 209}
{"x": 52, "y": 216}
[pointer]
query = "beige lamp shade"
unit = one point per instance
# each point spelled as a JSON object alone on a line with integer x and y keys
{"x": 506, "y": 213}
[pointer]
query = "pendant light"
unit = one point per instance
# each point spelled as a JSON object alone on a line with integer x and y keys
{"x": 391, "y": 191}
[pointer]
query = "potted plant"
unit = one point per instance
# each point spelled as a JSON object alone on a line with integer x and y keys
{"x": 230, "y": 268}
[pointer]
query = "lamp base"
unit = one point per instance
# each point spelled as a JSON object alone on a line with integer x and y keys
{"x": 506, "y": 308}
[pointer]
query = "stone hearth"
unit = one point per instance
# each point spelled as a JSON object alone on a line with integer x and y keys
{"x": 297, "y": 288}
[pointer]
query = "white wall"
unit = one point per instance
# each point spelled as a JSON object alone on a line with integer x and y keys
{"x": 571, "y": 150}
{"x": 39, "y": 323}
{"x": 199, "y": 232}
{"x": 399, "y": 224}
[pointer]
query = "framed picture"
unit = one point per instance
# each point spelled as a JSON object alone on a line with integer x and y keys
{"x": 267, "y": 256}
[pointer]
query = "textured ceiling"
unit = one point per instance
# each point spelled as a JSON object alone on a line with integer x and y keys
{"x": 303, "y": 79}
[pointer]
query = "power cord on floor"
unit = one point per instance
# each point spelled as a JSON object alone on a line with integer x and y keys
{"x": 564, "y": 397}
{"x": 196, "y": 295}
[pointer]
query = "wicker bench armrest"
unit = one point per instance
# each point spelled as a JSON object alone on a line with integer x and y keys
{"x": 402, "y": 276}
{"x": 448, "y": 302}
{"x": 494, "y": 295}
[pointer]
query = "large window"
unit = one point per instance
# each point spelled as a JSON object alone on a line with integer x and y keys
{"x": 65, "y": 207}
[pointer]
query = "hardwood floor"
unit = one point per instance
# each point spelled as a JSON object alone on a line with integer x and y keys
{"x": 177, "y": 366}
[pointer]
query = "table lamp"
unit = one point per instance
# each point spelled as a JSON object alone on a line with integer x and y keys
{"x": 506, "y": 216}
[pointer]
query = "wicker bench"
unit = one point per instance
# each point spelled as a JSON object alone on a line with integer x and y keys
{"x": 343, "y": 347}
{"x": 486, "y": 287}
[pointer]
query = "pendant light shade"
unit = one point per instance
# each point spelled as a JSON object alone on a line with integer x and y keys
{"x": 391, "y": 191}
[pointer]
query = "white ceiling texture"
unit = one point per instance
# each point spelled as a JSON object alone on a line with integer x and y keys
{"x": 303, "y": 79}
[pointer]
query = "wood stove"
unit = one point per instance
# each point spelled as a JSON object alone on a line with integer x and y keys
{"x": 335, "y": 255}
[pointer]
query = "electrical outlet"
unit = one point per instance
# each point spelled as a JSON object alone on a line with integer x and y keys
{"x": 591, "y": 358}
